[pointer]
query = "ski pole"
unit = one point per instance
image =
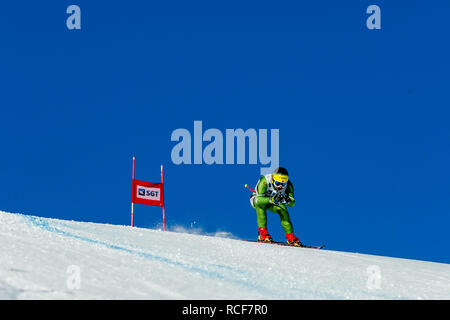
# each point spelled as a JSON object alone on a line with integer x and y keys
{"x": 246, "y": 186}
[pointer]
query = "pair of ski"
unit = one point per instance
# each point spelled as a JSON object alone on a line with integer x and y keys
{"x": 287, "y": 244}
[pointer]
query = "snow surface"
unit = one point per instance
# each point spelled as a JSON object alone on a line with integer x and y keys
{"x": 43, "y": 258}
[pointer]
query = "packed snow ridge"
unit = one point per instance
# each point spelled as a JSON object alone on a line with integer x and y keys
{"x": 43, "y": 258}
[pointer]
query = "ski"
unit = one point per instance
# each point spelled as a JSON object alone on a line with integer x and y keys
{"x": 287, "y": 245}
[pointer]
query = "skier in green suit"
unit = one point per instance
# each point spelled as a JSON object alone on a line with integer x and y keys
{"x": 274, "y": 192}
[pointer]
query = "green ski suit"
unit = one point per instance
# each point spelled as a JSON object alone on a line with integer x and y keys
{"x": 261, "y": 203}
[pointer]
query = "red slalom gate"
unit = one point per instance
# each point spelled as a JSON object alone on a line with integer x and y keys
{"x": 148, "y": 193}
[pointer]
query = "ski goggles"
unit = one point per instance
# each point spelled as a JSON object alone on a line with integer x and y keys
{"x": 279, "y": 184}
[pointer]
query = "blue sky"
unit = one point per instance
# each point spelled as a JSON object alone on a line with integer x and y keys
{"x": 363, "y": 115}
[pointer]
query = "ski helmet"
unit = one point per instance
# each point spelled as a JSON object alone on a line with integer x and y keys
{"x": 280, "y": 178}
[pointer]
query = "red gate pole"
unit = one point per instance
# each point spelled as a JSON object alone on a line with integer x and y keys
{"x": 163, "y": 209}
{"x": 132, "y": 204}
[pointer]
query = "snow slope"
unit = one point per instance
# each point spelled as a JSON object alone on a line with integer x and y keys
{"x": 44, "y": 258}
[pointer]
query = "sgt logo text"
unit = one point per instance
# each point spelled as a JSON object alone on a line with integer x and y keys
{"x": 235, "y": 142}
{"x": 148, "y": 193}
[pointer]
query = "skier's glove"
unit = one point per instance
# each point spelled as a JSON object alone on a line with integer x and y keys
{"x": 276, "y": 199}
{"x": 286, "y": 199}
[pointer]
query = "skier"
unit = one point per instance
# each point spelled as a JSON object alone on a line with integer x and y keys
{"x": 274, "y": 192}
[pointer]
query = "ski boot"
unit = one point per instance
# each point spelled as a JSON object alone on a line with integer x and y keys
{"x": 264, "y": 236}
{"x": 293, "y": 240}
